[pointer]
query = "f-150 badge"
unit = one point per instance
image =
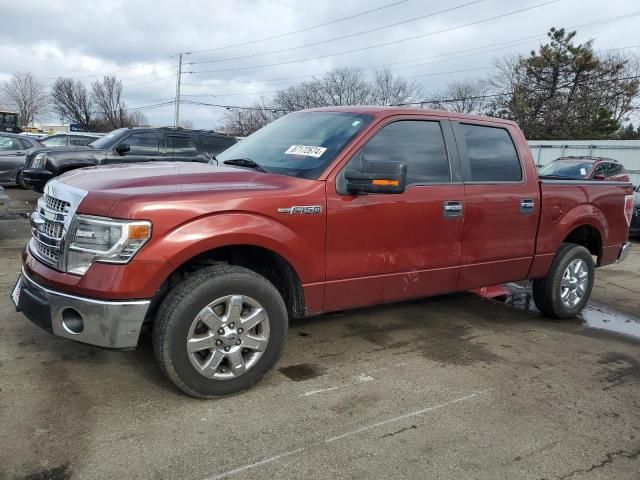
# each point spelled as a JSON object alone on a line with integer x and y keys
{"x": 302, "y": 210}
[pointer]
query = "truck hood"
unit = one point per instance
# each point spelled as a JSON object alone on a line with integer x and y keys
{"x": 124, "y": 191}
{"x": 153, "y": 178}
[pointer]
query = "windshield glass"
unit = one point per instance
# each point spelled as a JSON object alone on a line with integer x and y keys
{"x": 300, "y": 144}
{"x": 109, "y": 140}
{"x": 567, "y": 168}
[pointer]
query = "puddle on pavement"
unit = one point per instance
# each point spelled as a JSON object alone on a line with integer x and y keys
{"x": 594, "y": 315}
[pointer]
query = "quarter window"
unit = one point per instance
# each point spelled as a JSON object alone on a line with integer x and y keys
{"x": 143, "y": 143}
{"x": 418, "y": 143}
{"x": 492, "y": 155}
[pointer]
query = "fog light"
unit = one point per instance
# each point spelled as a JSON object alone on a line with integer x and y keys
{"x": 72, "y": 321}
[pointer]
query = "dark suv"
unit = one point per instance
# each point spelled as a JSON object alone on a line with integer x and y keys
{"x": 126, "y": 145}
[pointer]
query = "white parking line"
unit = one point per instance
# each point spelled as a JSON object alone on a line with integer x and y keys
{"x": 243, "y": 468}
{"x": 363, "y": 377}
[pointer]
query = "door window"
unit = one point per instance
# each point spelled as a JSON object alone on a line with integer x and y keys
{"x": 80, "y": 141}
{"x": 142, "y": 143}
{"x": 418, "y": 143}
{"x": 180, "y": 146}
{"x": 614, "y": 169}
{"x": 601, "y": 169}
{"x": 492, "y": 154}
{"x": 55, "y": 141}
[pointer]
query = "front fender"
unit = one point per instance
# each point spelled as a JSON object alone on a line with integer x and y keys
{"x": 303, "y": 247}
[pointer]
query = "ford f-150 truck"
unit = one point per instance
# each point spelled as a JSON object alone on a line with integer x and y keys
{"x": 321, "y": 210}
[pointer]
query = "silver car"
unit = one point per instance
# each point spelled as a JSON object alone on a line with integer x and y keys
{"x": 13, "y": 151}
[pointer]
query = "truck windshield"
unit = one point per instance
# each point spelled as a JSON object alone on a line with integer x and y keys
{"x": 566, "y": 169}
{"x": 109, "y": 140}
{"x": 300, "y": 144}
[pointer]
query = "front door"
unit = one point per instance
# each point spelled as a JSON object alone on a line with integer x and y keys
{"x": 143, "y": 147}
{"x": 390, "y": 247}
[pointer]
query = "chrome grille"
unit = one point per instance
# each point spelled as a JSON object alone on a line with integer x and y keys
{"x": 56, "y": 204}
{"x": 52, "y": 220}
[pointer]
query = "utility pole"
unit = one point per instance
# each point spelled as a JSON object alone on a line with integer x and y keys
{"x": 177, "y": 117}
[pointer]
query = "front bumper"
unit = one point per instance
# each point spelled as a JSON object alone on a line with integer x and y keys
{"x": 110, "y": 324}
{"x": 36, "y": 178}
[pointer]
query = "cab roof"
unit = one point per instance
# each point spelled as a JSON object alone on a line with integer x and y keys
{"x": 382, "y": 111}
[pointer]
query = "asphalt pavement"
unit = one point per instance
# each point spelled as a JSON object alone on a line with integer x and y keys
{"x": 451, "y": 387}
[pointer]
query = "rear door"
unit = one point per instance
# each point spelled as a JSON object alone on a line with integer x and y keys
{"x": 502, "y": 204}
{"x": 389, "y": 247}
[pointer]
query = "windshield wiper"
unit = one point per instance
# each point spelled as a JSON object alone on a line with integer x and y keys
{"x": 245, "y": 162}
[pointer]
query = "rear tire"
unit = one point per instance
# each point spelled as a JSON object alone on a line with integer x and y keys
{"x": 198, "y": 335}
{"x": 566, "y": 289}
{"x": 20, "y": 181}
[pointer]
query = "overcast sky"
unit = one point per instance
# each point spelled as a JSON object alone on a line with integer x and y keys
{"x": 137, "y": 40}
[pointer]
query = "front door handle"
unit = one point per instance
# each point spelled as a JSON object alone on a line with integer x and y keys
{"x": 452, "y": 209}
{"x": 527, "y": 206}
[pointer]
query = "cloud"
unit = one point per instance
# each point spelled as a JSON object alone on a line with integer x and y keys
{"x": 134, "y": 39}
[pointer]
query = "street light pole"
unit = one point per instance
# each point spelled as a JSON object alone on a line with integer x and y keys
{"x": 177, "y": 116}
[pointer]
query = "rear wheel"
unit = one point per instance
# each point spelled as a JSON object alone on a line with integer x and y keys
{"x": 565, "y": 291}
{"x": 20, "y": 181}
{"x": 219, "y": 331}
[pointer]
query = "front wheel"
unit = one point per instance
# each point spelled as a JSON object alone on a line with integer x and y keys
{"x": 565, "y": 291}
{"x": 219, "y": 331}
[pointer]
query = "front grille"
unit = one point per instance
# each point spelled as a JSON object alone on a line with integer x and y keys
{"x": 55, "y": 204}
{"x": 48, "y": 228}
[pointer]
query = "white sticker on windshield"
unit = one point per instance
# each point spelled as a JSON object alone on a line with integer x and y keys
{"x": 305, "y": 150}
{"x": 583, "y": 171}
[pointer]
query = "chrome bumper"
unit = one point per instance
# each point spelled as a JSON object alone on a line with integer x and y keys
{"x": 624, "y": 251}
{"x": 110, "y": 324}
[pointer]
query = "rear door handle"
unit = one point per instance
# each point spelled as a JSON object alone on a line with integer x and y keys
{"x": 527, "y": 206}
{"x": 452, "y": 209}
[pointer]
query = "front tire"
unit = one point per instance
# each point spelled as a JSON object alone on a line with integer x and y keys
{"x": 566, "y": 289}
{"x": 219, "y": 331}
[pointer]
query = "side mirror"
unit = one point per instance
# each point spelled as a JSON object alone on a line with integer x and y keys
{"x": 122, "y": 148}
{"x": 377, "y": 177}
{"x": 599, "y": 177}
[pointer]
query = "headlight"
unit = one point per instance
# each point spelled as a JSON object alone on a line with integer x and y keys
{"x": 38, "y": 160}
{"x": 98, "y": 239}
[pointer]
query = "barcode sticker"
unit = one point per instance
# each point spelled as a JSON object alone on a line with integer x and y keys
{"x": 306, "y": 150}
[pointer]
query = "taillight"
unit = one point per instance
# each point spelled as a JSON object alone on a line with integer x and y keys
{"x": 628, "y": 208}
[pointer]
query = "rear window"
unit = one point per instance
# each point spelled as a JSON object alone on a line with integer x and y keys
{"x": 215, "y": 145}
{"x": 492, "y": 155}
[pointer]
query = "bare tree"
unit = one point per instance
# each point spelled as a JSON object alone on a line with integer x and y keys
{"x": 71, "y": 99}
{"x": 463, "y": 96}
{"x": 26, "y": 95}
{"x": 243, "y": 122}
{"x": 137, "y": 119}
{"x": 388, "y": 89}
{"x": 107, "y": 95}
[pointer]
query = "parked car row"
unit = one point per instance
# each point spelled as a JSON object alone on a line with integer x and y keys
{"x": 125, "y": 145}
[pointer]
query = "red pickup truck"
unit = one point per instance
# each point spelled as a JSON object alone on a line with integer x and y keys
{"x": 321, "y": 210}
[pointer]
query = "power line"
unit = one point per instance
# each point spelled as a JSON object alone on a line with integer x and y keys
{"x": 306, "y": 29}
{"x": 384, "y": 44}
{"x": 335, "y": 39}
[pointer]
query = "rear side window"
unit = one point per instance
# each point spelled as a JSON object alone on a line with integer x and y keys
{"x": 180, "y": 146}
{"x": 55, "y": 141}
{"x": 492, "y": 155}
{"x": 614, "y": 169}
{"x": 418, "y": 143}
{"x": 80, "y": 141}
{"x": 214, "y": 145}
